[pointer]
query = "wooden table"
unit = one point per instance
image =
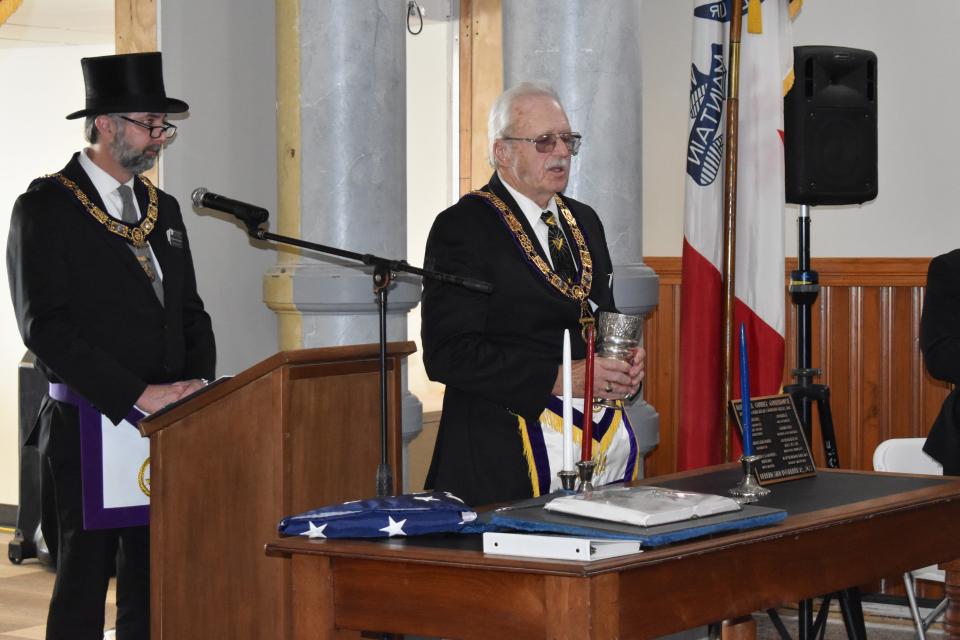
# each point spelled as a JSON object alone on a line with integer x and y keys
{"x": 448, "y": 588}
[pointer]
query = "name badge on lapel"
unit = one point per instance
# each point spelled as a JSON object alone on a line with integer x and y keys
{"x": 175, "y": 238}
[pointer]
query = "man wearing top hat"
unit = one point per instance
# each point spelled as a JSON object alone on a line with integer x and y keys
{"x": 105, "y": 296}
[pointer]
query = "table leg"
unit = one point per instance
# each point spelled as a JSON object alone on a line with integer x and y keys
{"x": 951, "y": 619}
{"x": 583, "y": 608}
{"x": 312, "y": 605}
{"x": 742, "y": 628}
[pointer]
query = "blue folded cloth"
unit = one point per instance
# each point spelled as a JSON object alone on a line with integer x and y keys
{"x": 404, "y": 515}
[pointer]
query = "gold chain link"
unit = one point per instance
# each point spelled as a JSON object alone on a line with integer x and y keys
{"x": 137, "y": 236}
{"x": 578, "y": 291}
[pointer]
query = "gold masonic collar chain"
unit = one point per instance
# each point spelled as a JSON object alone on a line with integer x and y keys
{"x": 577, "y": 291}
{"x": 137, "y": 236}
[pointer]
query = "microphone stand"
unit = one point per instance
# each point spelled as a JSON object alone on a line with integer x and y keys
{"x": 383, "y": 273}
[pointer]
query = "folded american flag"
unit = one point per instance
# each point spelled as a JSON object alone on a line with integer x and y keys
{"x": 405, "y": 515}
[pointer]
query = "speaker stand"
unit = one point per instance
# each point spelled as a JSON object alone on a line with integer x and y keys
{"x": 804, "y": 286}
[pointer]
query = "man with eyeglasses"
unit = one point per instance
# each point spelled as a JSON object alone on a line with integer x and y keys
{"x": 105, "y": 295}
{"x": 499, "y": 354}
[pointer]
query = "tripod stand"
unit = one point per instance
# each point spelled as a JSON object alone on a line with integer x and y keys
{"x": 804, "y": 286}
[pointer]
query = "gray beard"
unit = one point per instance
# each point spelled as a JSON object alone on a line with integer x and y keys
{"x": 130, "y": 159}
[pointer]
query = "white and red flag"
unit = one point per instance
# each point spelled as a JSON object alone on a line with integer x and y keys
{"x": 766, "y": 73}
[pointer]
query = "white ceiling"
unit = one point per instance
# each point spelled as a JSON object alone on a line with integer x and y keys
{"x": 58, "y": 22}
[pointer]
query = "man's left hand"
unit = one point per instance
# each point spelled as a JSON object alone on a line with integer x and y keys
{"x": 615, "y": 379}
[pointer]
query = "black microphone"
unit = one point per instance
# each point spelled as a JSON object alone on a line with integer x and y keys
{"x": 250, "y": 214}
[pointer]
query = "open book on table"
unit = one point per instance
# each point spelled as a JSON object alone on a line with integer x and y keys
{"x": 642, "y": 506}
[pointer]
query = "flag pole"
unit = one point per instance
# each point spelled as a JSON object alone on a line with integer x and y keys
{"x": 730, "y": 218}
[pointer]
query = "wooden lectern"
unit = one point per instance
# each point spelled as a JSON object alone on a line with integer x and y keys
{"x": 297, "y": 431}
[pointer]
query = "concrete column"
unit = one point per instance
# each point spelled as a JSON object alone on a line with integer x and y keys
{"x": 590, "y": 53}
{"x": 342, "y": 159}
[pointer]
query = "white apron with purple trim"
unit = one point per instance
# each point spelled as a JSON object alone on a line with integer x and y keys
{"x": 114, "y": 466}
{"x": 614, "y": 446}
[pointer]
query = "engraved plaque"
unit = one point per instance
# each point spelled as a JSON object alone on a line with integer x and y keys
{"x": 777, "y": 438}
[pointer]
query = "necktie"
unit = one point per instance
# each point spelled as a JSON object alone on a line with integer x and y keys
{"x": 560, "y": 255}
{"x": 129, "y": 215}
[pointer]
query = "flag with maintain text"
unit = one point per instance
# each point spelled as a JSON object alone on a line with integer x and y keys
{"x": 766, "y": 73}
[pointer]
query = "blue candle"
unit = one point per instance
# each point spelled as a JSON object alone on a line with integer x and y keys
{"x": 745, "y": 394}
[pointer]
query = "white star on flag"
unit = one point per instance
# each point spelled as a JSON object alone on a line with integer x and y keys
{"x": 451, "y": 496}
{"x": 315, "y": 531}
{"x": 394, "y": 528}
{"x": 426, "y": 498}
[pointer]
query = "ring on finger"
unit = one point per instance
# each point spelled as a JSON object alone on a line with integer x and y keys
{"x": 609, "y": 388}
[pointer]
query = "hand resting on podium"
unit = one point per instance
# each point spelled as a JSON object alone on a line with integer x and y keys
{"x": 158, "y": 396}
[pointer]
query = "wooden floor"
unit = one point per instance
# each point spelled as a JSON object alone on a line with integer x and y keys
{"x": 25, "y": 594}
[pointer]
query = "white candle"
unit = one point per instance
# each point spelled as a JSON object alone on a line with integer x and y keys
{"x": 567, "y": 404}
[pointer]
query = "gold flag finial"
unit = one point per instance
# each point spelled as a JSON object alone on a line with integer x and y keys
{"x": 754, "y": 17}
{"x": 7, "y": 7}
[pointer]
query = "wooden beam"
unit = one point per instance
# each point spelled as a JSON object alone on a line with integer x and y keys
{"x": 135, "y": 31}
{"x": 481, "y": 81}
{"x": 135, "y": 24}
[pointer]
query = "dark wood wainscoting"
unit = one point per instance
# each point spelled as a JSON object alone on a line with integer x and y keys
{"x": 866, "y": 327}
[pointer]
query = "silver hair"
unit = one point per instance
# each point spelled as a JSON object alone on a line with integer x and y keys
{"x": 90, "y": 126}
{"x": 502, "y": 111}
{"x": 90, "y": 129}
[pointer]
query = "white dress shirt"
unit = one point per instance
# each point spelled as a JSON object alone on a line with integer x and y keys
{"x": 532, "y": 212}
{"x": 106, "y": 185}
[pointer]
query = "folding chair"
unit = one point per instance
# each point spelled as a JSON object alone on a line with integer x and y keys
{"x": 905, "y": 455}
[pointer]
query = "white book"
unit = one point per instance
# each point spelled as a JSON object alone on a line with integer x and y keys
{"x": 642, "y": 506}
{"x": 535, "y": 545}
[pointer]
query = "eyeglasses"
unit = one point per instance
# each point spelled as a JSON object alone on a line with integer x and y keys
{"x": 548, "y": 141}
{"x": 156, "y": 130}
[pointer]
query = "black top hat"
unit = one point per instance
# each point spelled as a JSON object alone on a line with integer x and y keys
{"x": 126, "y": 83}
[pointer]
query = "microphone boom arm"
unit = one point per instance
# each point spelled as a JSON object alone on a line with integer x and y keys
{"x": 374, "y": 261}
{"x": 383, "y": 270}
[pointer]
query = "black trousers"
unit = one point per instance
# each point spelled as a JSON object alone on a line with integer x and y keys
{"x": 86, "y": 559}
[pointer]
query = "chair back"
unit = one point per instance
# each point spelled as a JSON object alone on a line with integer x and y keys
{"x": 905, "y": 455}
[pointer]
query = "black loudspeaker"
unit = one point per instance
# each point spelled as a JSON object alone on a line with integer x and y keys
{"x": 28, "y": 540}
{"x": 830, "y": 127}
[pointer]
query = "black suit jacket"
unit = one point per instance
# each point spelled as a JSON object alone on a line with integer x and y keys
{"x": 85, "y": 307}
{"x": 498, "y": 354}
{"x": 940, "y": 343}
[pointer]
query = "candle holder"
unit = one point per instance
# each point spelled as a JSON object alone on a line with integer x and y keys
{"x": 585, "y": 473}
{"x": 568, "y": 480}
{"x": 748, "y": 490}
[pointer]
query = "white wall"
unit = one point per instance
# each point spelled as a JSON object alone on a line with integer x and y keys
{"x": 37, "y": 140}
{"x": 220, "y": 57}
{"x": 431, "y": 173}
{"x": 913, "y": 214}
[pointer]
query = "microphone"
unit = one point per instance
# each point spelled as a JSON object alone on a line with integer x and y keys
{"x": 251, "y": 215}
